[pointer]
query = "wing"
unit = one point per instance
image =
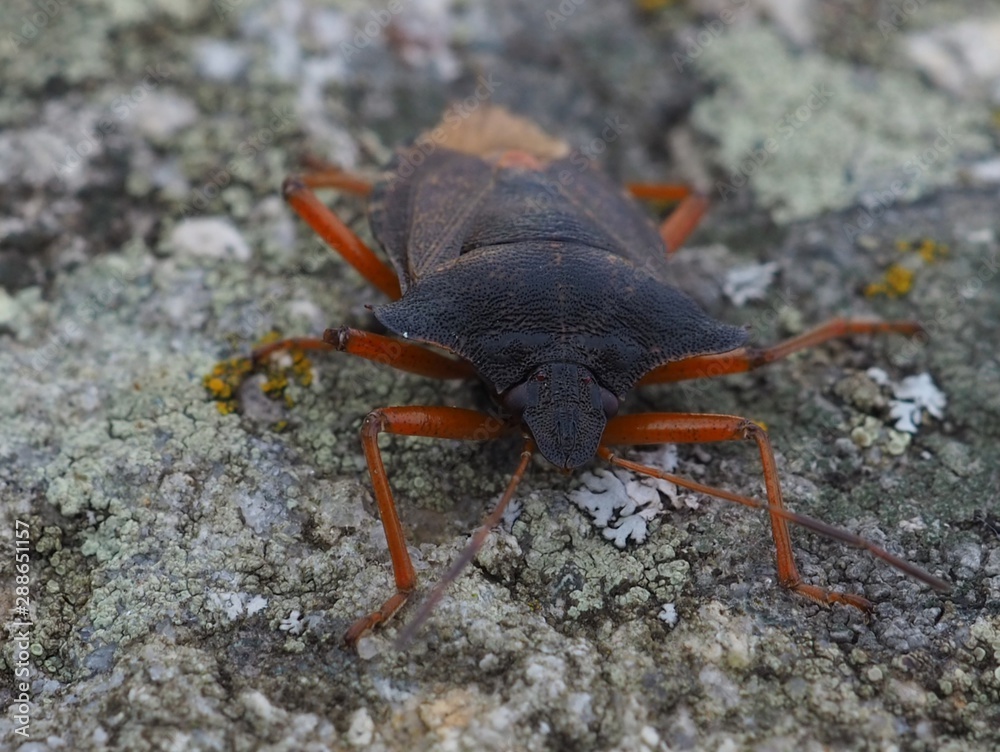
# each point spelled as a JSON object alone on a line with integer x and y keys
{"x": 444, "y": 178}
{"x": 612, "y": 212}
{"x": 445, "y": 190}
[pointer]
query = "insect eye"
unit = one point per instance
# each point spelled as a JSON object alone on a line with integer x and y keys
{"x": 541, "y": 377}
{"x": 517, "y": 399}
{"x": 609, "y": 403}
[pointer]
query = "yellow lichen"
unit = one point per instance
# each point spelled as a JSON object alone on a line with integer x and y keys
{"x": 267, "y": 339}
{"x": 899, "y": 280}
{"x": 225, "y": 378}
{"x": 928, "y": 249}
{"x": 896, "y": 281}
{"x": 301, "y": 368}
{"x": 275, "y": 385}
{"x": 218, "y": 387}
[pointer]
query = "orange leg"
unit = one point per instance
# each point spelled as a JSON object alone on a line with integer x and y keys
{"x": 432, "y": 422}
{"x": 655, "y": 428}
{"x": 298, "y": 192}
{"x": 683, "y": 220}
{"x": 748, "y": 358}
{"x": 404, "y": 356}
{"x": 659, "y": 191}
{"x": 326, "y": 175}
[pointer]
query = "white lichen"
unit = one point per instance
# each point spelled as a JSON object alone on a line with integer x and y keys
{"x": 601, "y": 496}
{"x": 912, "y": 396}
{"x": 511, "y": 514}
{"x": 632, "y": 527}
{"x": 668, "y": 615}
{"x": 743, "y": 283}
{"x": 294, "y": 624}
{"x": 235, "y": 605}
{"x": 912, "y": 525}
{"x": 879, "y": 376}
{"x": 622, "y": 503}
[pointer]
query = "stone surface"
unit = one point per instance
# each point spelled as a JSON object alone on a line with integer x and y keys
{"x": 191, "y": 573}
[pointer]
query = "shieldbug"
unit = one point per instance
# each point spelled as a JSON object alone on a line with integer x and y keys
{"x": 512, "y": 262}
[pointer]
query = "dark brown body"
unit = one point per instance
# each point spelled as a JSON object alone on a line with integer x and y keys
{"x": 551, "y": 285}
{"x": 531, "y": 270}
{"x": 515, "y": 261}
